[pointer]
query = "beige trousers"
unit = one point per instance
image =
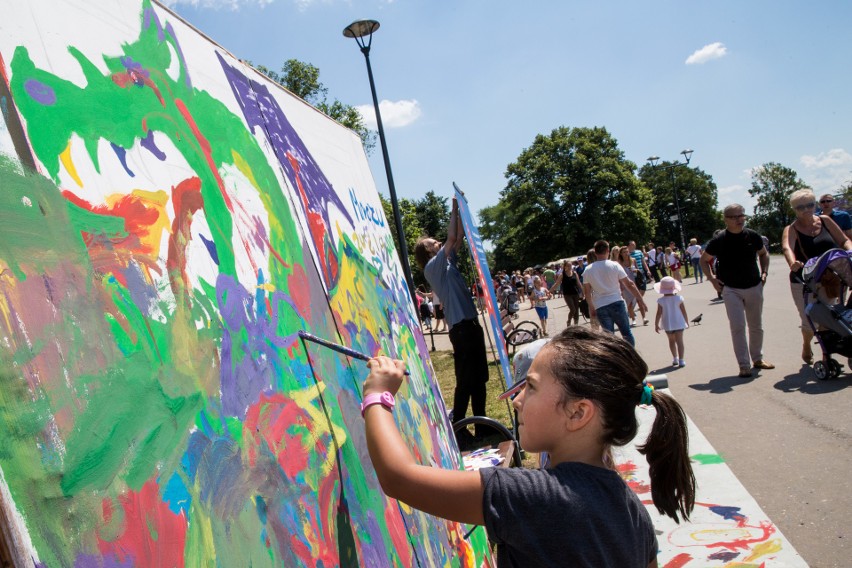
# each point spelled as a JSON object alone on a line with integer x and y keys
{"x": 745, "y": 308}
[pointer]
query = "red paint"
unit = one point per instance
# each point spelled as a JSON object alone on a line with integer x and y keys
{"x": 270, "y": 420}
{"x": 678, "y": 561}
{"x": 186, "y": 200}
{"x": 112, "y": 253}
{"x": 205, "y": 149}
{"x": 153, "y": 535}
{"x": 316, "y": 225}
{"x": 130, "y": 78}
{"x": 300, "y": 291}
{"x": 627, "y": 471}
{"x": 397, "y": 532}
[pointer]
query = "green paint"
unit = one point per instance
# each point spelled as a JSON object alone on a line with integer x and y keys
{"x": 707, "y": 459}
{"x": 124, "y": 435}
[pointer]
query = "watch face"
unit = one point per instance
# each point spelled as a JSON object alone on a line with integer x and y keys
{"x": 388, "y": 400}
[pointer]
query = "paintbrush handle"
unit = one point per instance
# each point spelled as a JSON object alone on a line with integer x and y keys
{"x": 336, "y": 347}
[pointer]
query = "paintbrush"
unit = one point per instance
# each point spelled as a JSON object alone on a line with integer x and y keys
{"x": 336, "y": 347}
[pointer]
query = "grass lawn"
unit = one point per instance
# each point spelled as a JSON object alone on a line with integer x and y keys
{"x": 499, "y": 410}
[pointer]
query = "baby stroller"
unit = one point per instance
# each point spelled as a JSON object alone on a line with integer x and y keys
{"x": 826, "y": 278}
{"x": 509, "y": 300}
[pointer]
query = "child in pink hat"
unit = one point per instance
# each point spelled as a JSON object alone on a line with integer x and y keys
{"x": 671, "y": 312}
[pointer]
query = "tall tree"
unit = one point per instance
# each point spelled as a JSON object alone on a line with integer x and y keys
{"x": 772, "y": 184}
{"x": 302, "y": 79}
{"x": 698, "y": 202}
{"x": 570, "y": 188}
{"x": 433, "y": 214}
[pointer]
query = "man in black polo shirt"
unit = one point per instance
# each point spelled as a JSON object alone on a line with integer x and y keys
{"x": 741, "y": 285}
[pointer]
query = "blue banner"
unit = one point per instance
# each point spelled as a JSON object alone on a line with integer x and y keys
{"x": 477, "y": 251}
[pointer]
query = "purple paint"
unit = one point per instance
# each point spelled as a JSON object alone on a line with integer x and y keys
{"x": 261, "y": 110}
{"x": 723, "y": 556}
{"x": 143, "y": 295}
{"x": 121, "y": 153}
{"x": 179, "y": 52}
{"x": 149, "y": 144}
{"x": 90, "y": 561}
{"x": 249, "y": 367}
{"x": 40, "y": 92}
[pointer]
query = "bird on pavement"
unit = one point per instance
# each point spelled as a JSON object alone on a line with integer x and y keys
{"x": 697, "y": 319}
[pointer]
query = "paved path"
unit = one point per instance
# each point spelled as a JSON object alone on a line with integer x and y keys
{"x": 786, "y": 436}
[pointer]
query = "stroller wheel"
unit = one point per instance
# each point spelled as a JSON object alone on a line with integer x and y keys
{"x": 820, "y": 370}
{"x": 835, "y": 368}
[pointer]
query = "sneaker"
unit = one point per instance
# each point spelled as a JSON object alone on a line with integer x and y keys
{"x": 745, "y": 372}
{"x": 675, "y": 362}
{"x": 763, "y": 365}
{"x": 633, "y": 323}
{"x": 681, "y": 362}
{"x": 645, "y": 321}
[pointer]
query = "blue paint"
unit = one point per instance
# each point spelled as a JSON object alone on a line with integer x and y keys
{"x": 260, "y": 296}
{"x": 211, "y": 248}
{"x": 728, "y": 513}
{"x": 177, "y": 496}
{"x": 122, "y": 157}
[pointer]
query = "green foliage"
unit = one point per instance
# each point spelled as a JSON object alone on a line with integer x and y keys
{"x": 433, "y": 214}
{"x": 410, "y": 226}
{"x": 772, "y": 184}
{"x": 302, "y": 79}
{"x": 698, "y": 202}
{"x": 564, "y": 192}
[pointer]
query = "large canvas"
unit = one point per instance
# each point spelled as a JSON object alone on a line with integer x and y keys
{"x": 169, "y": 221}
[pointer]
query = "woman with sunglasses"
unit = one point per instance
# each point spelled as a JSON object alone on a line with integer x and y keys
{"x": 809, "y": 235}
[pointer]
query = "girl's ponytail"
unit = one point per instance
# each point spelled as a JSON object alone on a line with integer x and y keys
{"x": 667, "y": 452}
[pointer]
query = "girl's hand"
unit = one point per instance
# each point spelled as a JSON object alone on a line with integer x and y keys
{"x": 385, "y": 375}
{"x": 657, "y": 328}
{"x": 796, "y": 266}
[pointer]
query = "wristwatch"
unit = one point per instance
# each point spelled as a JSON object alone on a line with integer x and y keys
{"x": 385, "y": 399}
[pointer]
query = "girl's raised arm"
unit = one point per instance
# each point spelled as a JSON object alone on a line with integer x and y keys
{"x": 451, "y": 494}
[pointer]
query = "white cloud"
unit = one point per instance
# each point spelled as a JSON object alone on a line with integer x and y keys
{"x": 828, "y": 171}
{"x": 708, "y": 52}
{"x": 395, "y": 114}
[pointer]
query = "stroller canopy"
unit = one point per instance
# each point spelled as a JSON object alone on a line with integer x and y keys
{"x": 839, "y": 260}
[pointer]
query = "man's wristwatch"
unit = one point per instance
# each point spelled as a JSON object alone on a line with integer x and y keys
{"x": 385, "y": 399}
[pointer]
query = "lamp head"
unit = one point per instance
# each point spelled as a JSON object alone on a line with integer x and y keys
{"x": 687, "y": 154}
{"x": 653, "y": 160}
{"x": 361, "y": 28}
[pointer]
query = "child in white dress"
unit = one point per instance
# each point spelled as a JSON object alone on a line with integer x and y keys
{"x": 671, "y": 312}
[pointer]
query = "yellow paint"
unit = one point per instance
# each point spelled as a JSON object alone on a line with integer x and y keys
{"x": 267, "y": 287}
{"x": 151, "y": 238}
{"x": 764, "y": 548}
{"x": 305, "y": 400}
{"x": 199, "y": 550}
{"x": 244, "y": 168}
{"x": 65, "y": 158}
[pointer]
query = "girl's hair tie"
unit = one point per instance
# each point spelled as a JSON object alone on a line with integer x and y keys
{"x": 647, "y": 394}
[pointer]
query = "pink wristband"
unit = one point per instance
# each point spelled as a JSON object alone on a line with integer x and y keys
{"x": 385, "y": 399}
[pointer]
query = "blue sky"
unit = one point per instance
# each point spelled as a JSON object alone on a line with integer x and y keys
{"x": 467, "y": 85}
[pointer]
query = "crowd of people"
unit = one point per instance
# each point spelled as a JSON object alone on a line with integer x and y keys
{"x": 576, "y": 394}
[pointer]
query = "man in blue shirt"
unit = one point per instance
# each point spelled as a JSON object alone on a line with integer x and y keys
{"x": 842, "y": 218}
{"x": 439, "y": 263}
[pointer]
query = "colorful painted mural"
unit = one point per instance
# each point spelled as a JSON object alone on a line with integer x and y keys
{"x": 169, "y": 221}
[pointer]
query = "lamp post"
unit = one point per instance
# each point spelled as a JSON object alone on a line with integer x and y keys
{"x": 359, "y": 31}
{"x": 687, "y": 154}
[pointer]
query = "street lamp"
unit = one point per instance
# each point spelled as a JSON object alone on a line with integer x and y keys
{"x": 687, "y": 154}
{"x": 359, "y": 31}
